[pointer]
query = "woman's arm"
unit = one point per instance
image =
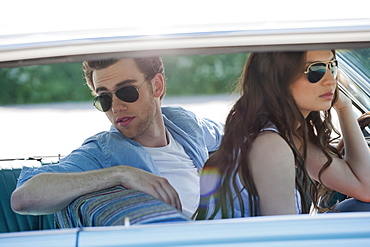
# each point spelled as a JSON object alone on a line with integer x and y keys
{"x": 273, "y": 169}
{"x": 351, "y": 175}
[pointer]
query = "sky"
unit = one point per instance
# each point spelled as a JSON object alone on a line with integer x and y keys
{"x": 24, "y": 16}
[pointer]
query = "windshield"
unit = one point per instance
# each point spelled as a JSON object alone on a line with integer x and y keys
{"x": 356, "y": 67}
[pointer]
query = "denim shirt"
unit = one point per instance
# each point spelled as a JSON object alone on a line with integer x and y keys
{"x": 198, "y": 136}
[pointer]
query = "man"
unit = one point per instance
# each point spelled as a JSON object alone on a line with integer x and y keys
{"x": 155, "y": 150}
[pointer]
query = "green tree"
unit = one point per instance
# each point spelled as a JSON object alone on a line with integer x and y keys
{"x": 43, "y": 83}
{"x": 211, "y": 74}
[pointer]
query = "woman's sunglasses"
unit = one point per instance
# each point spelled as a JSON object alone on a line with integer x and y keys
{"x": 316, "y": 71}
{"x": 127, "y": 94}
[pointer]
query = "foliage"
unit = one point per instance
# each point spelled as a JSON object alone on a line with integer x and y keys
{"x": 198, "y": 74}
{"x": 64, "y": 82}
{"x": 43, "y": 83}
{"x": 210, "y": 74}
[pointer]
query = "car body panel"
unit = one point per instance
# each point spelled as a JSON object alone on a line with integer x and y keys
{"x": 60, "y": 237}
{"x": 294, "y": 230}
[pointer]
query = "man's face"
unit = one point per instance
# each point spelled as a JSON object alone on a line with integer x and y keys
{"x": 133, "y": 120}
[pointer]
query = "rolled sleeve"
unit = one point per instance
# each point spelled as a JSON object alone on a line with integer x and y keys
{"x": 88, "y": 157}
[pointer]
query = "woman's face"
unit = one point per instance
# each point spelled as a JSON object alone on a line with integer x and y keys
{"x": 314, "y": 96}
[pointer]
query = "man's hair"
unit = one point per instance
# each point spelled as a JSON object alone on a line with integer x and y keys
{"x": 148, "y": 66}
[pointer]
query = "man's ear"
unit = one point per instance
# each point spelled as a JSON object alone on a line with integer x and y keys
{"x": 158, "y": 85}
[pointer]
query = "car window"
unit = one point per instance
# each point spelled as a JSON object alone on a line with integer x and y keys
{"x": 49, "y": 112}
{"x": 59, "y": 121}
{"x": 356, "y": 66}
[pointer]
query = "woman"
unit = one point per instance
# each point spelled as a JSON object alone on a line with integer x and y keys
{"x": 276, "y": 157}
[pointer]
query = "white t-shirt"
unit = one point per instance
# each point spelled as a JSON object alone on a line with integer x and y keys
{"x": 177, "y": 167}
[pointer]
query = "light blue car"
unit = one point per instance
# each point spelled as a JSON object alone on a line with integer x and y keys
{"x": 42, "y": 32}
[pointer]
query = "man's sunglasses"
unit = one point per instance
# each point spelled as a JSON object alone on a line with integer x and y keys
{"x": 127, "y": 94}
{"x": 316, "y": 71}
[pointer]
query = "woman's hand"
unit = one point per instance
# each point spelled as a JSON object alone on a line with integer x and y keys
{"x": 342, "y": 103}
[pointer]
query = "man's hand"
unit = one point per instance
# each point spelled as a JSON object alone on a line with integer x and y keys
{"x": 159, "y": 187}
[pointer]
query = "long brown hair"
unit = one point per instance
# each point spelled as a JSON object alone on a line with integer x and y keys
{"x": 266, "y": 98}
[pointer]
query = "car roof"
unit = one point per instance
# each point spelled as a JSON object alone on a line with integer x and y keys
{"x": 49, "y": 32}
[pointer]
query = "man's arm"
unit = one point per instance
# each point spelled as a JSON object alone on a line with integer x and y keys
{"x": 48, "y": 193}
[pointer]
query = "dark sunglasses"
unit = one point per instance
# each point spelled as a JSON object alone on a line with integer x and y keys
{"x": 128, "y": 94}
{"x": 316, "y": 71}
